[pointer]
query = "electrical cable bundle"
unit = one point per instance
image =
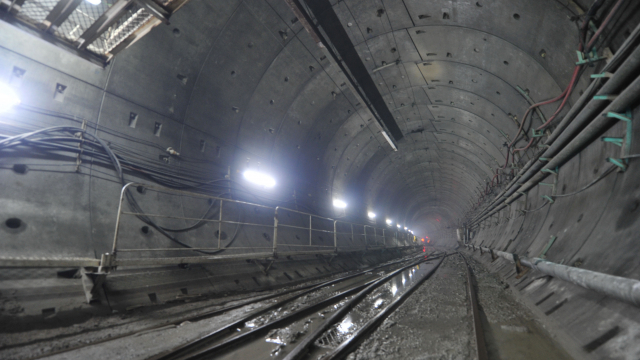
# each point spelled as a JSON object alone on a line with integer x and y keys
{"x": 584, "y": 47}
{"x": 53, "y": 139}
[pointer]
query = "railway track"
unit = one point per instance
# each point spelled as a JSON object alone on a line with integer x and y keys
{"x": 306, "y": 327}
{"x": 392, "y": 311}
{"x": 282, "y": 297}
{"x": 313, "y": 334}
{"x": 350, "y": 317}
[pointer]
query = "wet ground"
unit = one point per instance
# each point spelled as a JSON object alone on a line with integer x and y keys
{"x": 434, "y": 322}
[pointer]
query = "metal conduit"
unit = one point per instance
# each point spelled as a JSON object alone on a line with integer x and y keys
{"x": 595, "y": 127}
{"x": 621, "y": 288}
{"x": 578, "y": 116}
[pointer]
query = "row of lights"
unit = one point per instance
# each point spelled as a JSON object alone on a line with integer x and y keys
{"x": 267, "y": 181}
{"x": 9, "y": 99}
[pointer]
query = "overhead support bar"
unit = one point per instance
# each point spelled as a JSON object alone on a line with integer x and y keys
{"x": 99, "y": 26}
{"x": 345, "y": 53}
{"x": 59, "y": 14}
{"x": 154, "y": 9}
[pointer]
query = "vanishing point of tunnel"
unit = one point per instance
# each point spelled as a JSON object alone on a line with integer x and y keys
{"x": 319, "y": 179}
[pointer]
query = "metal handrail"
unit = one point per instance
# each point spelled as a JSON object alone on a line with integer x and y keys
{"x": 276, "y": 225}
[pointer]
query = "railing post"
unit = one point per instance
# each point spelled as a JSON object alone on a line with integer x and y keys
{"x": 384, "y": 239}
{"x": 310, "y": 230}
{"x": 353, "y": 239}
{"x": 335, "y": 236}
{"x": 366, "y": 243}
{"x": 115, "y": 235}
{"x": 220, "y": 227}
{"x": 275, "y": 232}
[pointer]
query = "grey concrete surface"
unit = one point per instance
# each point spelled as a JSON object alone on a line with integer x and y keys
{"x": 240, "y": 84}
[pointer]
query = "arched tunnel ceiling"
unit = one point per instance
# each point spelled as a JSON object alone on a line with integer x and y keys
{"x": 261, "y": 93}
{"x": 454, "y": 93}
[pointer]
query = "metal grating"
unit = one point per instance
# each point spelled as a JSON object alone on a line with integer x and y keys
{"x": 122, "y": 25}
{"x": 134, "y": 17}
{"x": 330, "y": 339}
{"x": 81, "y": 19}
{"x": 35, "y": 11}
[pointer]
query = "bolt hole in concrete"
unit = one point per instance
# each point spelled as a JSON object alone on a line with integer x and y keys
{"x": 20, "y": 169}
{"x": 141, "y": 189}
{"x": 13, "y": 223}
{"x": 516, "y": 16}
{"x": 153, "y": 297}
{"x": 144, "y": 229}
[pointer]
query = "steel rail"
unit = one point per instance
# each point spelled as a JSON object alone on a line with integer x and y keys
{"x": 187, "y": 350}
{"x": 347, "y": 346}
{"x": 216, "y": 312}
{"x": 481, "y": 346}
{"x": 302, "y": 348}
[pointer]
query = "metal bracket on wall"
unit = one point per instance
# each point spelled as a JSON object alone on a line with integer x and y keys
{"x": 624, "y": 143}
{"x": 605, "y": 74}
{"x": 520, "y": 270}
{"x": 536, "y": 133}
{"x": 543, "y": 255}
{"x": 92, "y": 283}
{"x": 588, "y": 58}
{"x": 494, "y": 257}
{"x": 548, "y": 198}
{"x": 264, "y": 268}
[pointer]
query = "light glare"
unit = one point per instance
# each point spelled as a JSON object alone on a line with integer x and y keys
{"x": 371, "y": 215}
{"x": 398, "y": 225}
{"x": 389, "y": 221}
{"x": 8, "y": 98}
{"x": 339, "y": 203}
{"x": 94, "y": 2}
{"x": 259, "y": 178}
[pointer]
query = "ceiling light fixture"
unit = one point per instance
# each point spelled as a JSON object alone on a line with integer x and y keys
{"x": 339, "y": 203}
{"x": 94, "y": 2}
{"x": 386, "y": 137}
{"x": 389, "y": 221}
{"x": 259, "y": 178}
{"x": 371, "y": 215}
{"x": 8, "y": 97}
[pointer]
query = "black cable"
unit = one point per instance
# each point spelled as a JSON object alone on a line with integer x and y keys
{"x": 604, "y": 174}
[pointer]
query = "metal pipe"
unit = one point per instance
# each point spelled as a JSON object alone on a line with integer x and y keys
{"x": 621, "y": 288}
{"x": 626, "y": 100}
{"x": 578, "y": 115}
{"x": 618, "y": 287}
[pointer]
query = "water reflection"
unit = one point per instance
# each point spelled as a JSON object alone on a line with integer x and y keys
{"x": 345, "y": 325}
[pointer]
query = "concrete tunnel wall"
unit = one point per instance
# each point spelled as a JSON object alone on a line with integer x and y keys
{"x": 245, "y": 79}
{"x": 241, "y": 84}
